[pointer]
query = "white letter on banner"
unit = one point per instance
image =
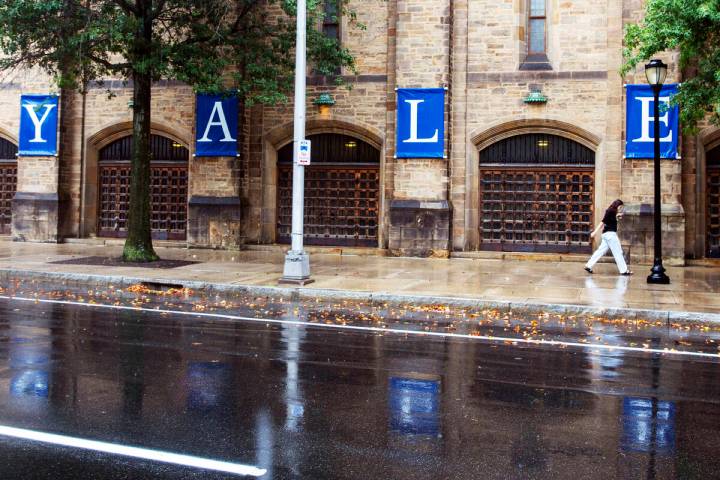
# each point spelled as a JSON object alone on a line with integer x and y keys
{"x": 220, "y": 123}
{"x": 414, "y": 124}
{"x": 647, "y": 118}
{"x": 30, "y": 107}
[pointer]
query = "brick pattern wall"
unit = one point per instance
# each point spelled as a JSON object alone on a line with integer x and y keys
{"x": 38, "y": 174}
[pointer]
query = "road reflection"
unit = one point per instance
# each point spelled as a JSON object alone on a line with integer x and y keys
{"x": 310, "y": 403}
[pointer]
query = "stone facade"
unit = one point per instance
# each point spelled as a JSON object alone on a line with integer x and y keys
{"x": 473, "y": 48}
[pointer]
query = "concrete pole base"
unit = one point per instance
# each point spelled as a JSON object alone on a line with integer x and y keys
{"x": 297, "y": 269}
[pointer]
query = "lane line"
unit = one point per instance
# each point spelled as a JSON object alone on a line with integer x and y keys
{"x": 135, "y": 452}
{"x": 490, "y": 338}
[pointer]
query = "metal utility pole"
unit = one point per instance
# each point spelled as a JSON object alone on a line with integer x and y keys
{"x": 297, "y": 261}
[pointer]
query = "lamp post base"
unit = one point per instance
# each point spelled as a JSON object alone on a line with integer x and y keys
{"x": 657, "y": 275}
{"x": 297, "y": 269}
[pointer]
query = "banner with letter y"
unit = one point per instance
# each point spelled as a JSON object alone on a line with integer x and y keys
{"x": 38, "y": 125}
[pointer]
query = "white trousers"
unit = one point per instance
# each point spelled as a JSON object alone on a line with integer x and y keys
{"x": 610, "y": 241}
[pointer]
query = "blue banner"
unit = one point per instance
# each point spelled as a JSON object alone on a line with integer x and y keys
{"x": 216, "y": 126}
{"x": 639, "y": 139}
{"x": 38, "y": 125}
{"x": 420, "y": 123}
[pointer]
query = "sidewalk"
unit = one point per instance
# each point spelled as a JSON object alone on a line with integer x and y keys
{"x": 693, "y": 289}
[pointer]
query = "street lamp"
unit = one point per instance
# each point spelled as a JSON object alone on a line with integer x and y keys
{"x": 297, "y": 262}
{"x": 656, "y": 71}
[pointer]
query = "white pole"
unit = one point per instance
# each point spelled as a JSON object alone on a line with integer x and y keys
{"x": 297, "y": 261}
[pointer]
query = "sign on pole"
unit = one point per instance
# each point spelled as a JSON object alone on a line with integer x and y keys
{"x": 420, "y": 123}
{"x": 303, "y": 153}
{"x": 216, "y": 126}
{"x": 639, "y": 140}
{"x": 38, "y": 125}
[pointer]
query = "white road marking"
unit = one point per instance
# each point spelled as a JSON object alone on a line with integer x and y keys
{"x": 490, "y": 338}
{"x": 156, "y": 455}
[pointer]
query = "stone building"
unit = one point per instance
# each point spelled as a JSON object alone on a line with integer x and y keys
{"x": 534, "y": 134}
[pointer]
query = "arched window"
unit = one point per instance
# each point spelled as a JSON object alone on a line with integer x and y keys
{"x": 8, "y": 183}
{"x": 536, "y": 194}
{"x": 168, "y": 188}
{"x": 342, "y": 192}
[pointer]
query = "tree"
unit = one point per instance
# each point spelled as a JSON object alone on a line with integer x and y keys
{"x": 212, "y": 45}
{"x": 691, "y": 27}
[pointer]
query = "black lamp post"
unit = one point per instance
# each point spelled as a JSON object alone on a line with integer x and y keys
{"x": 656, "y": 71}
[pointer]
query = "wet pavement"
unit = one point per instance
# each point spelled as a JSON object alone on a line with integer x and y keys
{"x": 321, "y": 390}
{"x": 693, "y": 289}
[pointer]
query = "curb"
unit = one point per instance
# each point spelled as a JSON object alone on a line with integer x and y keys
{"x": 378, "y": 298}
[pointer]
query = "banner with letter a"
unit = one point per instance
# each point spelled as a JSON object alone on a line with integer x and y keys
{"x": 38, "y": 125}
{"x": 420, "y": 123}
{"x": 216, "y": 126}
{"x": 639, "y": 139}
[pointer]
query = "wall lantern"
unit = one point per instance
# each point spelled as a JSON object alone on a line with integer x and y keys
{"x": 535, "y": 97}
{"x": 324, "y": 101}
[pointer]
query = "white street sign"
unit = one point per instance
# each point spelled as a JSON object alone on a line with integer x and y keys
{"x": 303, "y": 154}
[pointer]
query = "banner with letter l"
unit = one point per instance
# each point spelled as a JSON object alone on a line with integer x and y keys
{"x": 639, "y": 139}
{"x": 38, "y": 125}
{"x": 216, "y": 126}
{"x": 420, "y": 123}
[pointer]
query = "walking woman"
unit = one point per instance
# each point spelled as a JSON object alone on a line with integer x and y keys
{"x": 610, "y": 240}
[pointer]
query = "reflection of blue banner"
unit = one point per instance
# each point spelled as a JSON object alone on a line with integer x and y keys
{"x": 646, "y": 427}
{"x": 640, "y": 140}
{"x": 216, "y": 126}
{"x": 38, "y": 125}
{"x": 420, "y": 123}
{"x": 35, "y": 383}
{"x": 208, "y": 385}
{"x": 415, "y": 406}
{"x": 29, "y": 364}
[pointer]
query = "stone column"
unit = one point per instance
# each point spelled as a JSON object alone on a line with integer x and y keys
{"x": 419, "y": 210}
{"x": 214, "y": 204}
{"x": 35, "y": 206}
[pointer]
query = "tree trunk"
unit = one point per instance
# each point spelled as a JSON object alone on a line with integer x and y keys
{"x": 138, "y": 246}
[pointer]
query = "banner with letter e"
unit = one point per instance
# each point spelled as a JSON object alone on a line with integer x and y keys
{"x": 639, "y": 139}
{"x": 420, "y": 123}
{"x": 216, "y": 118}
{"x": 38, "y": 125}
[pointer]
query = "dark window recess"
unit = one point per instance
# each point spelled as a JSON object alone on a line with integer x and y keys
{"x": 536, "y": 149}
{"x": 536, "y": 195}
{"x": 168, "y": 188}
{"x": 334, "y": 148}
{"x": 162, "y": 148}
{"x": 713, "y": 203}
{"x": 342, "y": 192}
{"x": 8, "y": 183}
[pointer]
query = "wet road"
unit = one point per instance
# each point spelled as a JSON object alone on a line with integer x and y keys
{"x": 300, "y": 401}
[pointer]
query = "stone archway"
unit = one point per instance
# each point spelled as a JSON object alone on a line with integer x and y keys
{"x": 8, "y": 182}
{"x": 342, "y": 192}
{"x": 281, "y": 136}
{"x": 521, "y": 198}
{"x": 101, "y": 139}
{"x": 711, "y": 217}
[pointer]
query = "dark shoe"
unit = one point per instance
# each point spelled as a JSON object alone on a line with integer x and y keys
{"x": 589, "y": 270}
{"x": 627, "y": 274}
